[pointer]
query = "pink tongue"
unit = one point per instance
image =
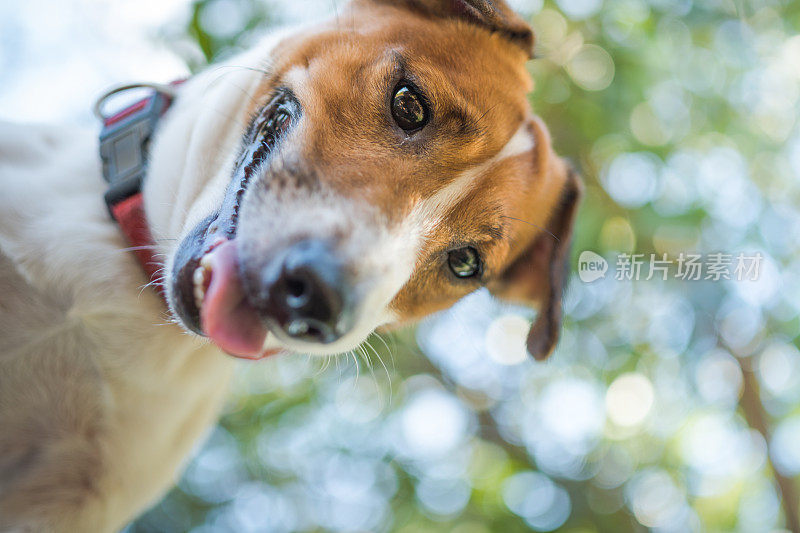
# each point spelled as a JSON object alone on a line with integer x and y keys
{"x": 226, "y": 316}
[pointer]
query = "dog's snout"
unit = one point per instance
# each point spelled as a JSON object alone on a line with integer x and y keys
{"x": 306, "y": 293}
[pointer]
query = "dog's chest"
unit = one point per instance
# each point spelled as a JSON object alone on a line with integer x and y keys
{"x": 86, "y": 354}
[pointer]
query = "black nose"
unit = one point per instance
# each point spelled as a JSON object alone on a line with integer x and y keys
{"x": 306, "y": 293}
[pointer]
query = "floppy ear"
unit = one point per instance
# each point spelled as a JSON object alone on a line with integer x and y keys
{"x": 537, "y": 276}
{"x": 494, "y": 15}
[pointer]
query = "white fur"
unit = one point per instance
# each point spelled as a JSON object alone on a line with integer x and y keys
{"x": 430, "y": 211}
{"x": 86, "y": 366}
{"x": 101, "y": 396}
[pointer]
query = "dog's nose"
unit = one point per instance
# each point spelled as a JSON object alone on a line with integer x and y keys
{"x": 306, "y": 293}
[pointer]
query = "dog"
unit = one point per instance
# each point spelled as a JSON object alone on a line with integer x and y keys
{"x": 357, "y": 174}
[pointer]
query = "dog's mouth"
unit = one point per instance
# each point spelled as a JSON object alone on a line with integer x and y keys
{"x": 207, "y": 292}
{"x": 226, "y": 315}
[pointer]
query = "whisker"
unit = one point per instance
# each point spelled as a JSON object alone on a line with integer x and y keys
{"x": 385, "y": 369}
{"x": 243, "y": 67}
{"x": 367, "y": 360}
{"x": 534, "y": 225}
{"x": 326, "y": 362}
{"x": 486, "y": 113}
{"x": 388, "y": 350}
{"x": 136, "y": 248}
{"x": 355, "y": 360}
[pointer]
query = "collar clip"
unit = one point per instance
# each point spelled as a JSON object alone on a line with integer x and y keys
{"x": 125, "y": 139}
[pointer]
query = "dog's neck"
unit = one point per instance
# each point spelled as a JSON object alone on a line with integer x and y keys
{"x": 204, "y": 126}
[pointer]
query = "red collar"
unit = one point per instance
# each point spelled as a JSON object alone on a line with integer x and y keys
{"x": 129, "y": 214}
{"x": 124, "y": 142}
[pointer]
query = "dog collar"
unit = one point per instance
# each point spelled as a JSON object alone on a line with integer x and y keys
{"x": 124, "y": 147}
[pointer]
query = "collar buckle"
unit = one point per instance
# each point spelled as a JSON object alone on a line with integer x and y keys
{"x": 125, "y": 139}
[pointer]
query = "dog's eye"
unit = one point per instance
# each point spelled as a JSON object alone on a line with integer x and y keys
{"x": 464, "y": 262}
{"x": 409, "y": 109}
{"x": 274, "y": 127}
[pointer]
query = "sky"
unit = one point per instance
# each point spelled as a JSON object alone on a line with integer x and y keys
{"x": 57, "y": 57}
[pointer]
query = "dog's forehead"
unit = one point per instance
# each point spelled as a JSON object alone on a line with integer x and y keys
{"x": 343, "y": 74}
{"x": 346, "y": 58}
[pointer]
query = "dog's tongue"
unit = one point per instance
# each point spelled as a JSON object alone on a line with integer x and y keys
{"x": 226, "y": 316}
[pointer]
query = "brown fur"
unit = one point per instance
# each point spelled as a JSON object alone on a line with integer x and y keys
{"x": 477, "y": 83}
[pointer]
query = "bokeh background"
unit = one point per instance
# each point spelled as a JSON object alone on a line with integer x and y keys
{"x": 669, "y": 405}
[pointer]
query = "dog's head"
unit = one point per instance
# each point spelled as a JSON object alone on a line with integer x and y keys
{"x": 390, "y": 166}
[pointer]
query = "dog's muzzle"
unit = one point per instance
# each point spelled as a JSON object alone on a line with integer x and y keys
{"x": 221, "y": 288}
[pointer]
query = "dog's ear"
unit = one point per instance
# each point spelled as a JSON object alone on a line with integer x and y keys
{"x": 537, "y": 276}
{"x": 494, "y": 15}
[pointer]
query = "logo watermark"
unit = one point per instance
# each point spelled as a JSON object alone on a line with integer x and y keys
{"x": 591, "y": 266}
{"x": 716, "y": 266}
